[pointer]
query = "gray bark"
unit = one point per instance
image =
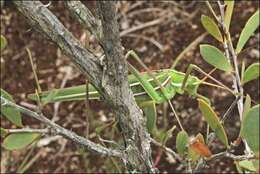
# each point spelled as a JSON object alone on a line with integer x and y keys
{"x": 110, "y": 80}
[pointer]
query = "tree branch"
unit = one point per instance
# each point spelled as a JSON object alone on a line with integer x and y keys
{"x": 84, "y": 16}
{"x": 110, "y": 79}
{"x": 48, "y": 24}
{"x": 129, "y": 115}
{"x": 64, "y": 132}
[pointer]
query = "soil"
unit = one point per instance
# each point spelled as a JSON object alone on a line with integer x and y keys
{"x": 158, "y": 45}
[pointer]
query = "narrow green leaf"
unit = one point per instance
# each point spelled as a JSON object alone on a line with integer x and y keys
{"x": 19, "y": 140}
{"x": 3, "y": 42}
{"x": 251, "y": 73}
{"x": 247, "y": 105}
{"x": 181, "y": 142}
{"x": 215, "y": 57}
{"x": 247, "y": 165}
{"x": 250, "y": 128}
{"x": 4, "y": 132}
{"x": 213, "y": 121}
{"x": 149, "y": 110}
{"x": 250, "y": 27}
{"x": 228, "y": 12}
{"x": 10, "y": 113}
{"x": 211, "y": 27}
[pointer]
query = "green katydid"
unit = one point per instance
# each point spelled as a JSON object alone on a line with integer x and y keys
{"x": 148, "y": 87}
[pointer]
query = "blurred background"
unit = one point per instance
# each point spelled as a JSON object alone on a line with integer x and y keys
{"x": 158, "y": 31}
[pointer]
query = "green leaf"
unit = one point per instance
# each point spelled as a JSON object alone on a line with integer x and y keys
{"x": 228, "y": 12}
{"x": 250, "y": 27}
{"x": 19, "y": 140}
{"x": 149, "y": 110}
{"x": 3, "y": 42}
{"x": 181, "y": 142}
{"x": 211, "y": 27}
{"x": 4, "y": 132}
{"x": 247, "y": 165}
{"x": 250, "y": 128}
{"x": 251, "y": 73}
{"x": 9, "y": 112}
{"x": 215, "y": 57}
{"x": 213, "y": 121}
{"x": 247, "y": 105}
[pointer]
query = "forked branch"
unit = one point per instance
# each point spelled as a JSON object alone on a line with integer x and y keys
{"x": 57, "y": 129}
{"x": 43, "y": 19}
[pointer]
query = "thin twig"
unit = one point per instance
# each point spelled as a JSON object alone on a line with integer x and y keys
{"x": 236, "y": 80}
{"x": 26, "y": 159}
{"x": 141, "y": 26}
{"x": 232, "y": 156}
{"x": 34, "y": 70}
{"x": 46, "y": 141}
{"x": 153, "y": 41}
{"x": 30, "y": 163}
{"x": 225, "y": 154}
{"x": 231, "y": 107}
{"x": 29, "y": 130}
{"x": 168, "y": 150}
{"x": 64, "y": 132}
{"x": 211, "y": 10}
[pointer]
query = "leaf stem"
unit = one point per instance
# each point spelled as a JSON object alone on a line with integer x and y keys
{"x": 34, "y": 70}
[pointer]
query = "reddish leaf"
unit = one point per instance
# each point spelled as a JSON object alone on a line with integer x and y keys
{"x": 200, "y": 148}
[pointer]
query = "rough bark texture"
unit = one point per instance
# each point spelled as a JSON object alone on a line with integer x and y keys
{"x": 110, "y": 79}
{"x": 84, "y": 16}
{"x": 45, "y": 22}
{"x": 115, "y": 82}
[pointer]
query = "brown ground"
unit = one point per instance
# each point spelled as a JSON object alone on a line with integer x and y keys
{"x": 172, "y": 34}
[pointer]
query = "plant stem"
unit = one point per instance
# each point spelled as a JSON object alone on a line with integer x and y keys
{"x": 236, "y": 80}
{"x": 29, "y": 130}
{"x": 65, "y": 132}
